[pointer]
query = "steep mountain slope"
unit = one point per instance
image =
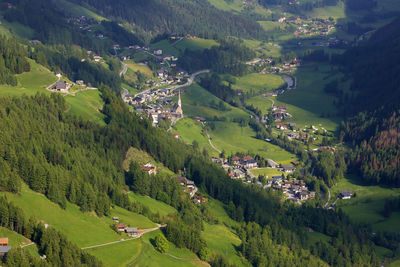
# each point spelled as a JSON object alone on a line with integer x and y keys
{"x": 376, "y": 129}
{"x": 177, "y": 17}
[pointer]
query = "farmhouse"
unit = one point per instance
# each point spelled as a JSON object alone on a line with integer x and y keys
{"x": 121, "y": 227}
{"x": 288, "y": 168}
{"x": 345, "y": 194}
{"x": 4, "y": 250}
{"x": 272, "y": 163}
{"x": 3, "y": 241}
{"x": 149, "y": 168}
{"x": 131, "y": 231}
{"x": 60, "y": 86}
{"x": 199, "y": 199}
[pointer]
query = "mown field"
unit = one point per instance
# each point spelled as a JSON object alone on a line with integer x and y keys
{"x": 153, "y": 205}
{"x": 190, "y": 131}
{"x": 258, "y": 83}
{"x": 267, "y": 172}
{"x": 368, "y": 204}
{"x": 308, "y": 103}
{"x": 86, "y": 104}
{"x": 198, "y": 102}
{"x": 232, "y": 138}
{"x": 16, "y": 240}
{"x": 144, "y": 69}
{"x": 83, "y": 229}
{"x": 177, "y": 47}
{"x": 30, "y": 83}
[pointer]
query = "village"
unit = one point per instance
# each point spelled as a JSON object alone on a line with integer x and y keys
{"x": 292, "y": 189}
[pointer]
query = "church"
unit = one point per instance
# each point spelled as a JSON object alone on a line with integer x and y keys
{"x": 177, "y": 108}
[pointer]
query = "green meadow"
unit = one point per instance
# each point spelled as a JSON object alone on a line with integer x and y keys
{"x": 29, "y": 83}
{"x": 86, "y": 104}
{"x": 258, "y": 83}
{"x": 83, "y": 229}
{"x": 153, "y": 205}
{"x": 308, "y": 103}
{"x": 217, "y": 209}
{"x": 262, "y": 103}
{"x": 144, "y": 69}
{"x": 197, "y": 102}
{"x": 195, "y": 44}
{"x": 223, "y": 241}
{"x": 367, "y": 206}
{"x": 232, "y": 138}
{"x": 78, "y": 10}
{"x": 16, "y": 240}
{"x": 267, "y": 172}
{"x": 189, "y": 131}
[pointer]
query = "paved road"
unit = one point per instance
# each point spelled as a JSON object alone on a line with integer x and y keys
{"x": 32, "y": 243}
{"x": 212, "y": 145}
{"x": 188, "y": 83}
{"x": 141, "y": 232}
{"x": 329, "y": 198}
{"x": 124, "y": 70}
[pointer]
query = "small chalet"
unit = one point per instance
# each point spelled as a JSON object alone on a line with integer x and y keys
{"x": 345, "y": 194}
{"x": 3, "y": 241}
{"x": 236, "y": 160}
{"x": 115, "y": 219}
{"x": 149, "y": 168}
{"x": 60, "y": 86}
{"x": 288, "y": 168}
{"x": 272, "y": 163}
{"x": 121, "y": 227}
{"x": 199, "y": 199}
{"x": 199, "y": 119}
{"x": 131, "y": 231}
{"x": 4, "y": 250}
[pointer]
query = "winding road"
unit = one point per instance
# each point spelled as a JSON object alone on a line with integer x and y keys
{"x": 124, "y": 70}
{"x": 188, "y": 83}
{"x": 329, "y": 199}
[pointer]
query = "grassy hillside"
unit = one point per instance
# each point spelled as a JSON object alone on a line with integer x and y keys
{"x": 189, "y": 131}
{"x": 84, "y": 229}
{"x": 232, "y": 138}
{"x": 30, "y": 83}
{"x": 87, "y": 104}
{"x": 16, "y": 240}
{"x": 367, "y": 206}
{"x": 197, "y": 102}
{"x": 308, "y": 102}
{"x": 258, "y": 83}
{"x": 153, "y": 205}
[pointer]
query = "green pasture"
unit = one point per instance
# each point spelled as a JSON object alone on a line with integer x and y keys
{"x": 29, "y": 83}
{"x": 87, "y": 104}
{"x": 119, "y": 254}
{"x": 83, "y": 229}
{"x": 16, "y": 29}
{"x": 16, "y": 240}
{"x": 153, "y": 205}
{"x": 222, "y": 240}
{"x": 174, "y": 257}
{"x": 217, "y": 209}
{"x": 189, "y": 131}
{"x": 195, "y": 44}
{"x": 314, "y": 237}
{"x": 258, "y": 83}
{"x": 196, "y": 102}
{"x": 308, "y": 103}
{"x": 78, "y": 10}
{"x": 232, "y": 138}
{"x": 262, "y": 103}
{"x": 367, "y": 206}
{"x": 266, "y": 172}
{"x": 144, "y": 69}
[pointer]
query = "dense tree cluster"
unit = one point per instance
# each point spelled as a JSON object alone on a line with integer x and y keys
{"x": 177, "y": 17}
{"x": 12, "y": 60}
{"x": 373, "y": 125}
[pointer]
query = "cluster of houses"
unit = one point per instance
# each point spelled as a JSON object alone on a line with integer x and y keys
{"x": 309, "y": 26}
{"x": 190, "y": 188}
{"x": 280, "y": 113}
{"x": 82, "y": 22}
{"x": 294, "y": 190}
{"x": 162, "y": 109}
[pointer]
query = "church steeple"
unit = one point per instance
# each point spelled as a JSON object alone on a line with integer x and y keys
{"x": 179, "y": 100}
